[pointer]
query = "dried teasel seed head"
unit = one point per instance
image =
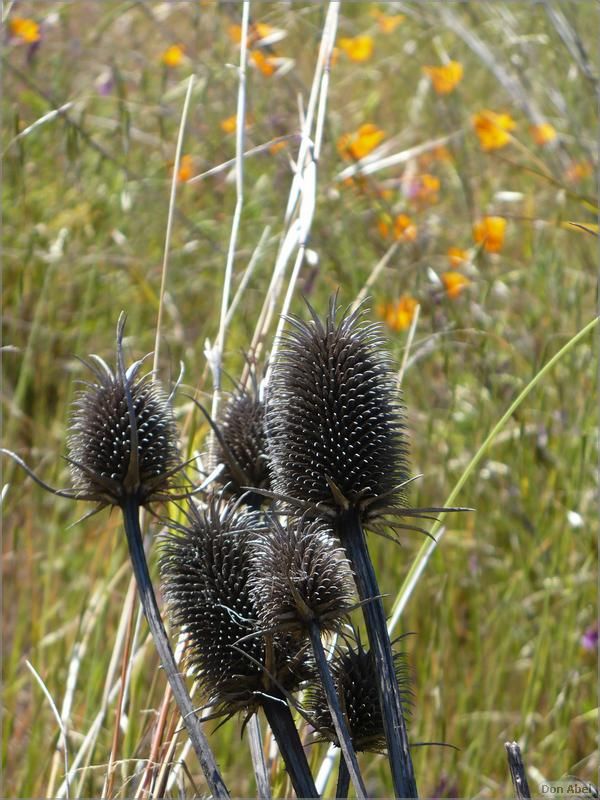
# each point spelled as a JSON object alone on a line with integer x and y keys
{"x": 122, "y": 436}
{"x": 354, "y": 676}
{"x": 206, "y": 570}
{"x": 300, "y": 576}
{"x": 243, "y": 449}
{"x": 334, "y": 417}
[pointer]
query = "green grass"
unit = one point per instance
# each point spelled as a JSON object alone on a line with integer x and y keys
{"x": 501, "y": 607}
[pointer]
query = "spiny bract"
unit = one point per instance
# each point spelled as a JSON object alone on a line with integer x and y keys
{"x": 355, "y": 679}
{"x": 334, "y": 417}
{"x": 244, "y": 447}
{"x": 206, "y": 568}
{"x": 104, "y": 465}
{"x": 300, "y": 576}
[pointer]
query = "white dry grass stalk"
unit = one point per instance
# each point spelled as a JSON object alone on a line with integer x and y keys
{"x": 302, "y": 196}
{"x": 409, "y": 340}
{"x": 254, "y": 258}
{"x": 63, "y": 731}
{"x": 259, "y": 148}
{"x": 216, "y": 354}
{"x": 170, "y": 216}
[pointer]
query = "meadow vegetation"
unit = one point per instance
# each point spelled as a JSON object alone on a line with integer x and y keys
{"x": 460, "y": 144}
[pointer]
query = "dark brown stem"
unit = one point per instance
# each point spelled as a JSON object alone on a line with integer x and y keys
{"x": 284, "y": 730}
{"x": 343, "y": 782}
{"x": 352, "y": 536}
{"x": 517, "y": 771}
{"x": 339, "y": 723}
{"x": 130, "y": 509}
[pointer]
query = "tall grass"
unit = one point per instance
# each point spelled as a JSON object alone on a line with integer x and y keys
{"x": 501, "y": 606}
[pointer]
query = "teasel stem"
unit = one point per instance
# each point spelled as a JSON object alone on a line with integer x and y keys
{"x": 343, "y": 782}
{"x": 348, "y": 756}
{"x": 284, "y": 730}
{"x": 130, "y": 509}
{"x": 352, "y": 535}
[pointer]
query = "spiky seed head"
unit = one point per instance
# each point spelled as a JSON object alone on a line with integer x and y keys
{"x": 354, "y": 675}
{"x": 300, "y": 576}
{"x": 122, "y": 435}
{"x": 334, "y": 417}
{"x": 206, "y": 569}
{"x": 244, "y": 447}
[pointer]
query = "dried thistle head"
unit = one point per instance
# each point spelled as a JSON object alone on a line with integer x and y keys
{"x": 355, "y": 678}
{"x": 123, "y": 437}
{"x": 242, "y": 446}
{"x": 300, "y": 576}
{"x": 206, "y": 570}
{"x": 334, "y": 418}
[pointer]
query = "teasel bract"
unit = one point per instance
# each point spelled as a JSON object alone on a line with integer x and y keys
{"x": 303, "y": 585}
{"x": 337, "y": 448}
{"x": 353, "y": 669}
{"x": 242, "y": 446}
{"x": 123, "y": 452}
{"x": 206, "y": 569}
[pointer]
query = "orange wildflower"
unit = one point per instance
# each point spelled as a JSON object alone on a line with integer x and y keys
{"x": 387, "y": 23}
{"x": 256, "y": 32}
{"x": 578, "y": 170}
{"x": 357, "y": 145}
{"x": 543, "y": 133}
{"x": 423, "y": 188}
{"x": 404, "y": 228}
{"x": 489, "y": 232}
{"x": 400, "y": 314}
{"x": 276, "y": 147}
{"x": 357, "y": 48}
{"x": 173, "y": 55}
{"x": 493, "y": 129}
{"x": 265, "y": 64}
{"x": 457, "y": 256}
{"x": 186, "y": 168}
{"x": 25, "y": 29}
{"x": 454, "y": 283}
{"x": 445, "y": 78}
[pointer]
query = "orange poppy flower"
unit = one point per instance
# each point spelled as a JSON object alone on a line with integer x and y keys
{"x": 405, "y": 229}
{"x": 543, "y": 133}
{"x": 387, "y": 22}
{"x": 357, "y": 145}
{"x": 357, "y": 48}
{"x": 445, "y": 78}
{"x": 454, "y": 283}
{"x": 25, "y": 29}
{"x": 400, "y": 314}
{"x": 186, "y": 168}
{"x": 173, "y": 56}
{"x": 490, "y": 231}
{"x": 457, "y": 256}
{"x": 493, "y": 129}
{"x": 265, "y": 64}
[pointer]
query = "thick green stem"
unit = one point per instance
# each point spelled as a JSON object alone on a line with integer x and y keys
{"x": 339, "y": 723}
{"x": 353, "y": 538}
{"x": 130, "y": 509}
{"x": 284, "y": 730}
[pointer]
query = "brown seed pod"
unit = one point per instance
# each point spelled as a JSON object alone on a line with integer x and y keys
{"x": 334, "y": 420}
{"x": 206, "y": 568}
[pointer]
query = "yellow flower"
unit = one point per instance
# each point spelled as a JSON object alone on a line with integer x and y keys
{"x": 387, "y": 23}
{"x": 543, "y": 133}
{"x": 235, "y": 33}
{"x": 404, "y": 229}
{"x": 577, "y": 170}
{"x": 358, "y": 48}
{"x": 492, "y": 129}
{"x": 25, "y": 29}
{"x": 454, "y": 283}
{"x": 400, "y": 314}
{"x": 265, "y": 64}
{"x": 357, "y": 145}
{"x": 490, "y": 231}
{"x": 173, "y": 56}
{"x": 276, "y": 147}
{"x": 457, "y": 256}
{"x": 229, "y": 124}
{"x": 186, "y": 168}
{"x": 445, "y": 78}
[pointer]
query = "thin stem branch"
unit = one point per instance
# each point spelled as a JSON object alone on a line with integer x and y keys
{"x": 343, "y": 782}
{"x": 263, "y": 786}
{"x": 339, "y": 722}
{"x": 286, "y": 735}
{"x": 206, "y": 758}
{"x": 517, "y": 771}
